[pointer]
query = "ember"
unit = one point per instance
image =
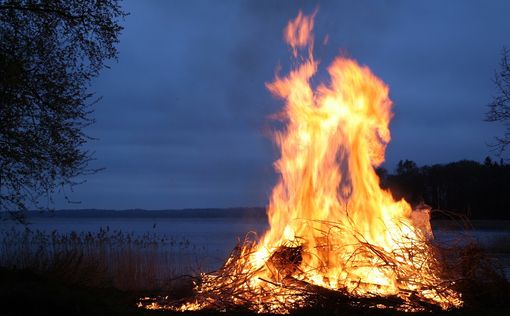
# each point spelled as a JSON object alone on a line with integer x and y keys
{"x": 334, "y": 233}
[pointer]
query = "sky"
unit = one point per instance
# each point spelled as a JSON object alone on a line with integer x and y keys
{"x": 184, "y": 116}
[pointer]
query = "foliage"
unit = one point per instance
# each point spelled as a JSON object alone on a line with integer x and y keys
{"x": 477, "y": 190}
{"x": 49, "y": 52}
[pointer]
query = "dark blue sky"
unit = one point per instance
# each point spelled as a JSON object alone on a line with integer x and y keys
{"x": 184, "y": 117}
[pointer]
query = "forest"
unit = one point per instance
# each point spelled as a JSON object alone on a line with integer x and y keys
{"x": 465, "y": 187}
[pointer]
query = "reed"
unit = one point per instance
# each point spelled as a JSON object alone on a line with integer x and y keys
{"x": 104, "y": 259}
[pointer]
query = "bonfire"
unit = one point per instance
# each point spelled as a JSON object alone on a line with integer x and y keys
{"x": 333, "y": 234}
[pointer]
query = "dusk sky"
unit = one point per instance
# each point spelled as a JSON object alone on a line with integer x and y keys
{"x": 184, "y": 119}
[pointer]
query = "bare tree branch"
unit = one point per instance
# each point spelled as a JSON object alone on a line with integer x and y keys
{"x": 499, "y": 108}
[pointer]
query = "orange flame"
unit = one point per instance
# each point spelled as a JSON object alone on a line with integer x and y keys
{"x": 331, "y": 225}
{"x": 328, "y": 199}
{"x": 298, "y": 33}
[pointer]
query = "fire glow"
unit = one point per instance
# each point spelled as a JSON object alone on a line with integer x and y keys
{"x": 332, "y": 228}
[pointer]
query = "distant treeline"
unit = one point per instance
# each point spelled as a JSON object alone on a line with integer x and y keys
{"x": 477, "y": 190}
{"x": 236, "y": 212}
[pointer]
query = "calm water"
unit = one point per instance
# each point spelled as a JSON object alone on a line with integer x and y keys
{"x": 213, "y": 238}
{"x": 216, "y": 237}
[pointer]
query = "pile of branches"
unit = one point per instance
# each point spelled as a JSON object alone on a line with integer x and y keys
{"x": 231, "y": 288}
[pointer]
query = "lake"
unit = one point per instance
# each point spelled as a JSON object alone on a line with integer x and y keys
{"x": 212, "y": 238}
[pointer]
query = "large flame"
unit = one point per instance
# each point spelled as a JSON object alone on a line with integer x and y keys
{"x": 336, "y": 134}
{"x": 328, "y": 200}
{"x": 331, "y": 225}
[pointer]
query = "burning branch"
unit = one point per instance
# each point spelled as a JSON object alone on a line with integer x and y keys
{"x": 335, "y": 236}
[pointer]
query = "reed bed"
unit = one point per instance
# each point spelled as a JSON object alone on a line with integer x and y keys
{"x": 104, "y": 259}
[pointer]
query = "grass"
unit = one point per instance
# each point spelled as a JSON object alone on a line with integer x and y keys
{"x": 24, "y": 292}
{"x": 116, "y": 259}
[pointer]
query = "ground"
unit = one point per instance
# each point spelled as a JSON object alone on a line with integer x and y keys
{"x": 26, "y": 293}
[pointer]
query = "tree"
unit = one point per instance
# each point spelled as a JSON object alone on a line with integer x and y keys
{"x": 407, "y": 182}
{"x": 49, "y": 52}
{"x": 499, "y": 108}
{"x": 407, "y": 167}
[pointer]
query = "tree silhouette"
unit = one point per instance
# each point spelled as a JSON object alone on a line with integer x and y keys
{"x": 49, "y": 52}
{"x": 499, "y": 108}
{"x": 477, "y": 190}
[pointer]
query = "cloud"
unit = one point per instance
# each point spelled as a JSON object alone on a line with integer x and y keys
{"x": 184, "y": 112}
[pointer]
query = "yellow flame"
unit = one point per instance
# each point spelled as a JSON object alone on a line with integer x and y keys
{"x": 328, "y": 197}
{"x": 331, "y": 225}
